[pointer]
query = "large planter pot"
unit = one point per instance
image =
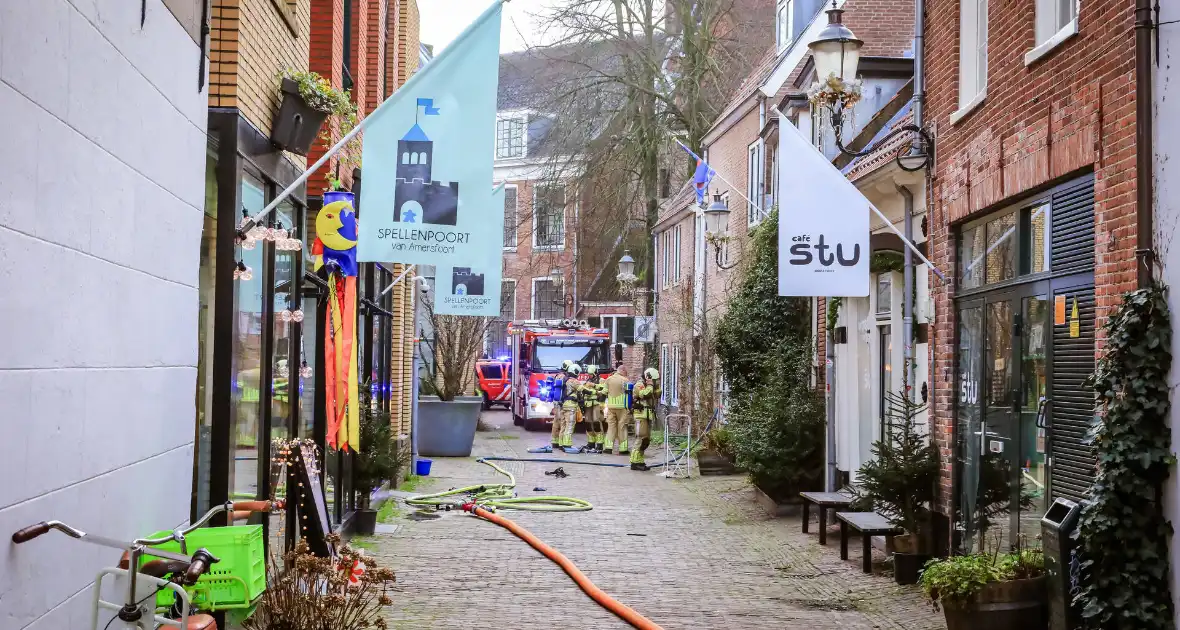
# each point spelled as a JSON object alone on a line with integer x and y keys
{"x": 773, "y": 508}
{"x": 714, "y": 463}
{"x": 908, "y": 566}
{"x": 297, "y": 125}
{"x": 1015, "y": 605}
{"x": 364, "y": 522}
{"x": 447, "y": 428}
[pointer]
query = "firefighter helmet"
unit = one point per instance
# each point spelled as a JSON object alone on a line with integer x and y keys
{"x": 565, "y": 365}
{"x": 652, "y": 373}
{"x": 574, "y": 369}
{"x": 592, "y": 370}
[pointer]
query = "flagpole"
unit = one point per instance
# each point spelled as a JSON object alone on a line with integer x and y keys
{"x": 717, "y": 173}
{"x": 364, "y": 122}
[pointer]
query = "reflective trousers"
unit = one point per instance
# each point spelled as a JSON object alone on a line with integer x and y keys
{"x": 642, "y": 436}
{"x": 616, "y": 429}
{"x": 569, "y": 418}
{"x": 595, "y": 429}
{"x": 556, "y": 430}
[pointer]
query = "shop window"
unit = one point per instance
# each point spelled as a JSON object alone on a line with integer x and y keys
{"x": 206, "y": 283}
{"x": 1038, "y": 258}
{"x": 246, "y": 359}
{"x": 1001, "y": 249}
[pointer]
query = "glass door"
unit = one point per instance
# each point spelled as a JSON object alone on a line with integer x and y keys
{"x": 1003, "y": 341}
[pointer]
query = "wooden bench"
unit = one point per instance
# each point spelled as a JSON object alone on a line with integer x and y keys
{"x": 869, "y": 524}
{"x": 824, "y": 501}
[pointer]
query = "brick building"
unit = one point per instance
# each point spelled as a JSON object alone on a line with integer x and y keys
{"x": 259, "y": 369}
{"x": 695, "y": 279}
{"x": 1033, "y": 204}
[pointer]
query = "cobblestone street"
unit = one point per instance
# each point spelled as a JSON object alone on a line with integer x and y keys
{"x": 685, "y": 553}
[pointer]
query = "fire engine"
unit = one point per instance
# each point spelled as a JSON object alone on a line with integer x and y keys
{"x": 494, "y": 382}
{"x": 538, "y": 349}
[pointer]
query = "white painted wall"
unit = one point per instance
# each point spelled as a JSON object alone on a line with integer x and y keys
{"x": 1166, "y": 92}
{"x": 101, "y": 194}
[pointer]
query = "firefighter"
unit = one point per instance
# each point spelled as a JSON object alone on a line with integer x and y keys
{"x": 592, "y": 411}
{"x": 616, "y": 412}
{"x": 556, "y": 430}
{"x": 569, "y": 404}
{"x": 647, "y": 393}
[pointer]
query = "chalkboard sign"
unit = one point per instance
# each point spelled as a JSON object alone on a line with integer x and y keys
{"x": 313, "y": 509}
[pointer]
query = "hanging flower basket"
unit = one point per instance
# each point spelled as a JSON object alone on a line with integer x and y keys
{"x": 297, "y": 124}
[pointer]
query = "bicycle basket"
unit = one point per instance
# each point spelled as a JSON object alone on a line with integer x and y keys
{"x": 236, "y": 580}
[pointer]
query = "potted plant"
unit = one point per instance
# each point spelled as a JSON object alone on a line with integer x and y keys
{"x": 308, "y": 99}
{"x": 984, "y": 591}
{"x": 305, "y": 591}
{"x": 447, "y": 415}
{"x": 899, "y": 483}
{"x": 716, "y": 455}
{"x": 378, "y": 462}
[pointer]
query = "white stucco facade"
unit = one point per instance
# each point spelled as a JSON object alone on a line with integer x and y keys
{"x": 1166, "y": 126}
{"x": 101, "y": 196}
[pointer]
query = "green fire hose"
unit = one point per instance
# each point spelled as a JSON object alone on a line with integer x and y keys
{"x": 498, "y": 495}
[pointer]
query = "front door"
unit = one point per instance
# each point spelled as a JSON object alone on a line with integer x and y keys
{"x": 1002, "y": 351}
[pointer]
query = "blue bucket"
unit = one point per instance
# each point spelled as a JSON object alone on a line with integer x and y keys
{"x": 422, "y": 468}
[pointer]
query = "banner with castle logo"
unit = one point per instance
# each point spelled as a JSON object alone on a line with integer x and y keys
{"x": 474, "y": 289}
{"x": 427, "y": 160}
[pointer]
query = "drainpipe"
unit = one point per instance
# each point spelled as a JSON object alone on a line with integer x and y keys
{"x": 907, "y": 299}
{"x": 1143, "y": 136}
{"x": 830, "y": 385}
{"x": 919, "y": 56}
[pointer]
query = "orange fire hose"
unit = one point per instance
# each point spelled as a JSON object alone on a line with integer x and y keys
{"x": 606, "y": 601}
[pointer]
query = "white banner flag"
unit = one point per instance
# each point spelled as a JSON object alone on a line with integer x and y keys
{"x": 823, "y": 224}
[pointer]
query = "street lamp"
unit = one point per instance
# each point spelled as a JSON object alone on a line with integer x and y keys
{"x": 626, "y": 269}
{"x": 716, "y": 218}
{"x": 836, "y": 55}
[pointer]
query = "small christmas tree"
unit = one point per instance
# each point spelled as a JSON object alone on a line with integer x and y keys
{"x": 899, "y": 482}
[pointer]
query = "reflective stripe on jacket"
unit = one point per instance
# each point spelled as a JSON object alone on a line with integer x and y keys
{"x": 616, "y": 391}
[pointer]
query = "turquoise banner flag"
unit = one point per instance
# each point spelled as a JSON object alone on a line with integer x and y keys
{"x": 428, "y": 160}
{"x": 475, "y": 289}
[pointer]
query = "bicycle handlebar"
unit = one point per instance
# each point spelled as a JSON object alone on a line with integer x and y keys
{"x": 33, "y": 531}
{"x": 200, "y": 564}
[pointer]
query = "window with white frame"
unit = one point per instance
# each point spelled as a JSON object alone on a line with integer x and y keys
{"x": 665, "y": 363}
{"x": 665, "y": 247}
{"x": 621, "y": 327}
{"x": 972, "y": 52}
{"x": 510, "y": 220}
{"x": 547, "y": 299}
{"x": 672, "y": 381}
{"x": 510, "y": 137}
{"x": 725, "y": 234}
{"x": 754, "y": 178}
{"x": 676, "y": 254}
{"x": 1056, "y": 20}
{"x": 782, "y": 24}
{"x": 549, "y": 216}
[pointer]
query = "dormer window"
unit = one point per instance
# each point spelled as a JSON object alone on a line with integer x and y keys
{"x": 510, "y": 137}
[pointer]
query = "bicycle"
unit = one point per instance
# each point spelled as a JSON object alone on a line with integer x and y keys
{"x": 172, "y": 571}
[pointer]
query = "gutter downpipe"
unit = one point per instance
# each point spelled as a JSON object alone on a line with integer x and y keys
{"x": 830, "y": 385}
{"x": 1144, "y": 231}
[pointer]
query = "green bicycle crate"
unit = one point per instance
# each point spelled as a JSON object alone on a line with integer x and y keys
{"x": 234, "y": 582}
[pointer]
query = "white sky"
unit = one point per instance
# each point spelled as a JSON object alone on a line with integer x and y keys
{"x": 443, "y": 20}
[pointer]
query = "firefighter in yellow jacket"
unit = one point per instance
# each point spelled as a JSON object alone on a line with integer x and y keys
{"x": 591, "y": 411}
{"x": 569, "y": 404}
{"x": 557, "y": 428}
{"x": 617, "y": 413}
{"x": 647, "y": 395}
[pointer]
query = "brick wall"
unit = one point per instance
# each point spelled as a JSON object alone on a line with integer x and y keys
{"x": 527, "y": 263}
{"x": 1067, "y": 113}
{"x": 252, "y": 43}
{"x": 326, "y": 58}
{"x": 411, "y": 24}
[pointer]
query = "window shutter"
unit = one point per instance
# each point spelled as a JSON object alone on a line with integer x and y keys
{"x": 1071, "y": 408}
{"x": 1073, "y": 228}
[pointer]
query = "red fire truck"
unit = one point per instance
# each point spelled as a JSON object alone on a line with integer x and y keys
{"x": 538, "y": 349}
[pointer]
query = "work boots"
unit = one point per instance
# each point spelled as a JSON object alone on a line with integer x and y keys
{"x": 639, "y": 466}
